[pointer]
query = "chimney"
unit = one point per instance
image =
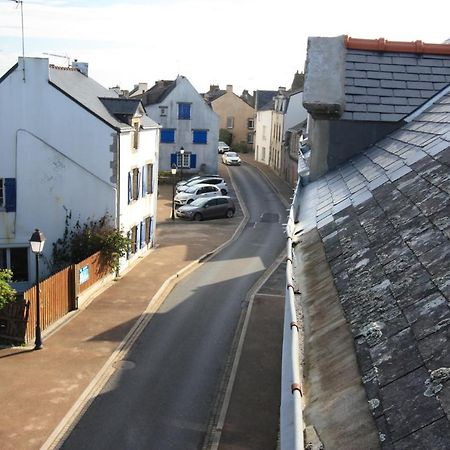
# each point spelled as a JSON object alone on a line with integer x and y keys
{"x": 213, "y": 87}
{"x": 229, "y": 88}
{"x": 82, "y": 67}
{"x": 281, "y": 89}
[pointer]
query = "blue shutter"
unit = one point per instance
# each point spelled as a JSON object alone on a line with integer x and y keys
{"x": 151, "y": 230}
{"x": 130, "y": 187}
{"x": 142, "y": 243}
{"x": 173, "y": 159}
{"x": 199, "y": 136}
{"x": 10, "y": 194}
{"x": 144, "y": 181}
{"x": 193, "y": 160}
{"x": 167, "y": 136}
{"x": 184, "y": 111}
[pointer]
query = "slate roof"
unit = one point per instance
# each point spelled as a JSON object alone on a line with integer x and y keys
{"x": 384, "y": 221}
{"x": 158, "y": 92}
{"x": 85, "y": 91}
{"x": 124, "y": 108}
{"x": 262, "y": 98}
{"x": 387, "y": 86}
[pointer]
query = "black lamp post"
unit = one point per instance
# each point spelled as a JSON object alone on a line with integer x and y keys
{"x": 181, "y": 165}
{"x": 174, "y": 171}
{"x": 37, "y": 242}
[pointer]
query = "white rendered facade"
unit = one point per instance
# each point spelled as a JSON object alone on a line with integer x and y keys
{"x": 63, "y": 153}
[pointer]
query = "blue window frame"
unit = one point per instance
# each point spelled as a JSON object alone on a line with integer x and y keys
{"x": 184, "y": 111}
{"x": 167, "y": 135}
{"x": 200, "y": 136}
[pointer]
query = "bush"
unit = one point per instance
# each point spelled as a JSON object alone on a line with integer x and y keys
{"x": 225, "y": 136}
{"x": 81, "y": 241}
{"x": 7, "y": 293}
{"x": 240, "y": 148}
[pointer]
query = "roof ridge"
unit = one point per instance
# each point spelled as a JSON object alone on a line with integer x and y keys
{"x": 383, "y": 45}
{"x": 72, "y": 69}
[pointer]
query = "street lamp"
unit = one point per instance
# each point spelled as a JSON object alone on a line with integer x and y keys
{"x": 37, "y": 242}
{"x": 174, "y": 171}
{"x": 181, "y": 166}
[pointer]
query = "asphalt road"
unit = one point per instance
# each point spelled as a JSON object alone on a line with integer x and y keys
{"x": 162, "y": 396}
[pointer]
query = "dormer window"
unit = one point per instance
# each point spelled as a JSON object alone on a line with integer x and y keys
{"x": 136, "y": 124}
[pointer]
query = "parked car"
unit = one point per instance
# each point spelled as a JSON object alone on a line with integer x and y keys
{"x": 231, "y": 159}
{"x": 197, "y": 191}
{"x": 222, "y": 147}
{"x": 195, "y": 177}
{"x": 217, "y": 181}
{"x": 207, "y": 208}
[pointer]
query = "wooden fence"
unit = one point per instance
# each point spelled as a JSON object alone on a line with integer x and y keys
{"x": 58, "y": 296}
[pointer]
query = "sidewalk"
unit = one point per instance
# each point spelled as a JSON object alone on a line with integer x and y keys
{"x": 39, "y": 388}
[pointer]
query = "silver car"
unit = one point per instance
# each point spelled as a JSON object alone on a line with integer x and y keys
{"x": 194, "y": 192}
{"x": 216, "y": 181}
{"x": 207, "y": 208}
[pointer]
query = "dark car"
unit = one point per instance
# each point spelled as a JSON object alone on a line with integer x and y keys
{"x": 207, "y": 208}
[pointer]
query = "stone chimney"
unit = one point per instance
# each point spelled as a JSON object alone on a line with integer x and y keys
{"x": 229, "y": 88}
{"x": 213, "y": 87}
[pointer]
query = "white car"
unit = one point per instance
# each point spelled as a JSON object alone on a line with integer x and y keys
{"x": 197, "y": 191}
{"x": 231, "y": 159}
{"x": 216, "y": 181}
{"x": 222, "y": 147}
{"x": 196, "y": 177}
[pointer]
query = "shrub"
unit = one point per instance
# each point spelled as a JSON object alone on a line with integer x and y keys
{"x": 225, "y": 136}
{"x": 7, "y": 293}
{"x": 81, "y": 241}
{"x": 240, "y": 148}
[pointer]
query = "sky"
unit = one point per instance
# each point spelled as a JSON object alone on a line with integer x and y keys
{"x": 250, "y": 44}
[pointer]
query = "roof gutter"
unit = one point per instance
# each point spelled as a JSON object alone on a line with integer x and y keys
{"x": 291, "y": 409}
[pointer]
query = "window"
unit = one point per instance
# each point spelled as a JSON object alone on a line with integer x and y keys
{"x": 148, "y": 229}
{"x": 133, "y": 239}
{"x": 230, "y": 122}
{"x": 8, "y": 194}
{"x": 184, "y": 160}
{"x": 189, "y": 160}
{"x": 264, "y": 130}
{"x": 167, "y": 136}
{"x": 163, "y": 111}
{"x": 250, "y": 138}
{"x": 136, "y": 123}
{"x": 200, "y": 136}
{"x": 133, "y": 185}
{"x": 2, "y": 193}
{"x": 250, "y": 124}
{"x": 16, "y": 259}
{"x": 147, "y": 185}
{"x": 184, "y": 111}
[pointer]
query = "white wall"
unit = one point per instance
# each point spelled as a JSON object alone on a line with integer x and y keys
{"x": 295, "y": 112}
{"x": 202, "y": 117}
{"x": 63, "y": 159}
{"x": 263, "y": 126}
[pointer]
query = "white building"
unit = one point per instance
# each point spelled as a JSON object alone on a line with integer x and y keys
{"x": 187, "y": 121}
{"x": 69, "y": 145}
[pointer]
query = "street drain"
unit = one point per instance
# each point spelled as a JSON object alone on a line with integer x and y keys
{"x": 126, "y": 365}
{"x": 270, "y": 217}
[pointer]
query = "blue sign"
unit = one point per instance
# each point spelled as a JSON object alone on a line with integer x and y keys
{"x": 84, "y": 274}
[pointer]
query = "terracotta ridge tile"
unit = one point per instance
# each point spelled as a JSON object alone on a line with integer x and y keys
{"x": 383, "y": 45}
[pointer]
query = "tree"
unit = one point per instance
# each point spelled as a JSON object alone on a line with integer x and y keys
{"x": 7, "y": 293}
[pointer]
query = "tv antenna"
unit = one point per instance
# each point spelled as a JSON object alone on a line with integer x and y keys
{"x": 20, "y": 2}
{"x": 67, "y": 58}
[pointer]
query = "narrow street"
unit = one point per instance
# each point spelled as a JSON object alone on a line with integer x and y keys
{"x": 163, "y": 394}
